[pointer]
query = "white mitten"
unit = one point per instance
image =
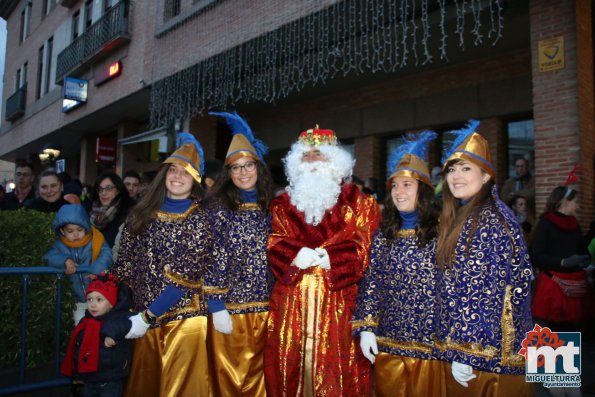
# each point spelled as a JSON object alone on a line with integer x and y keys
{"x": 222, "y": 321}
{"x": 462, "y": 373}
{"x": 324, "y": 260}
{"x": 367, "y": 343}
{"x": 139, "y": 327}
{"x": 306, "y": 258}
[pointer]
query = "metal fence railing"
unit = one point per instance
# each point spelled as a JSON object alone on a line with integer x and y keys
{"x": 57, "y": 379}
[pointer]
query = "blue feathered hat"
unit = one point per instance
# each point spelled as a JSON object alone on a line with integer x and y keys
{"x": 470, "y": 146}
{"x": 243, "y": 143}
{"x": 410, "y": 158}
{"x": 189, "y": 155}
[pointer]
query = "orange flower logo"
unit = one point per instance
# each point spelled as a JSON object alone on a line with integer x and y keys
{"x": 539, "y": 337}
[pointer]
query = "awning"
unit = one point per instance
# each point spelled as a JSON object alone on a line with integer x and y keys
{"x": 151, "y": 135}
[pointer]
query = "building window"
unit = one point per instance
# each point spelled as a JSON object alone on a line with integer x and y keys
{"x": 521, "y": 143}
{"x": 48, "y": 6}
{"x": 40, "y": 59}
{"x": 76, "y": 25}
{"x": 24, "y": 74}
{"x": 171, "y": 9}
{"x": 25, "y": 21}
{"x": 88, "y": 14}
{"x": 48, "y": 68}
{"x": 17, "y": 80}
{"x": 21, "y": 77}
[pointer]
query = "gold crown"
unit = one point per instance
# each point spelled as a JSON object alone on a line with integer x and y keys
{"x": 474, "y": 149}
{"x": 188, "y": 158}
{"x": 240, "y": 147}
{"x": 316, "y": 137}
{"x": 413, "y": 167}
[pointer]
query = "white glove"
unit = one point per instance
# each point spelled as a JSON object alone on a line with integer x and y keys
{"x": 367, "y": 343}
{"x": 222, "y": 321}
{"x": 462, "y": 373}
{"x": 306, "y": 258}
{"x": 324, "y": 261}
{"x": 139, "y": 327}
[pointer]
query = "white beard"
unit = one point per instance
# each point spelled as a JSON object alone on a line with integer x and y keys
{"x": 314, "y": 191}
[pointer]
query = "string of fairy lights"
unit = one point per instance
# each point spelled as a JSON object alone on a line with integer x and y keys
{"x": 336, "y": 39}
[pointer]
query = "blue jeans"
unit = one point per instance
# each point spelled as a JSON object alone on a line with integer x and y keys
{"x": 107, "y": 389}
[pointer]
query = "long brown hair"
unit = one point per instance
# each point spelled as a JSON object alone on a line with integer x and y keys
{"x": 225, "y": 192}
{"x": 142, "y": 213}
{"x": 453, "y": 218}
{"x": 427, "y": 208}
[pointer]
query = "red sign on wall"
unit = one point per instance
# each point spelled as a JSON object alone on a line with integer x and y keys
{"x": 105, "y": 151}
{"x": 108, "y": 73}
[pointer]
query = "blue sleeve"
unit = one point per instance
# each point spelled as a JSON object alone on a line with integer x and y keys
{"x": 103, "y": 261}
{"x": 215, "y": 305}
{"x": 57, "y": 255}
{"x": 169, "y": 297}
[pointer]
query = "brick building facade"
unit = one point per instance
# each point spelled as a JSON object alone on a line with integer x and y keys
{"x": 498, "y": 84}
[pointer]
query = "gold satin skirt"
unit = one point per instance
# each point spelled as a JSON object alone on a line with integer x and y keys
{"x": 400, "y": 376}
{"x": 235, "y": 361}
{"x": 171, "y": 361}
{"x": 487, "y": 384}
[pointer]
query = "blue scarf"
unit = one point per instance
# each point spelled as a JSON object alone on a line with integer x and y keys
{"x": 176, "y": 206}
{"x": 409, "y": 220}
{"x": 248, "y": 196}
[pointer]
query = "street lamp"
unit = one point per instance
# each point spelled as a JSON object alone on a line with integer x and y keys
{"x": 49, "y": 153}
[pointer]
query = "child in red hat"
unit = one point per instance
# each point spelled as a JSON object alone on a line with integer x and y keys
{"x": 98, "y": 353}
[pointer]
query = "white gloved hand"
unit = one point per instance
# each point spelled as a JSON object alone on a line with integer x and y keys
{"x": 222, "y": 322}
{"x": 324, "y": 261}
{"x": 139, "y": 327}
{"x": 306, "y": 258}
{"x": 462, "y": 373}
{"x": 367, "y": 343}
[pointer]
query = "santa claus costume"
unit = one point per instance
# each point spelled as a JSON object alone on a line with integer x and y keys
{"x": 318, "y": 251}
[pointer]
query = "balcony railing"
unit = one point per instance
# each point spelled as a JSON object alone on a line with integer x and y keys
{"x": 15, "y": 104}
{"x": 109, "y": 32}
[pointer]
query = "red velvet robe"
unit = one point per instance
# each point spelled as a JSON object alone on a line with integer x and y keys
{"x": 309, "y": 349}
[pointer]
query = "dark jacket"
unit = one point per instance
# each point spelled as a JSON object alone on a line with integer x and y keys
{"x": 11, "y": 202}
{"x": 40, "y": 204}
{"x": 552, "y": 243}
{"x": 114, "y": 362}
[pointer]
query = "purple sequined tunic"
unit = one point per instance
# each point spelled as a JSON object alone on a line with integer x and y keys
{"x": 241, "y": 275}
{"x": 484, "y": 297}
{"x": 174, "y": 249}
{"x": 396, "y": 299}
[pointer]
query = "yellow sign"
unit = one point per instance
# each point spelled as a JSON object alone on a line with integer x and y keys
{"x": 551, "y": 54}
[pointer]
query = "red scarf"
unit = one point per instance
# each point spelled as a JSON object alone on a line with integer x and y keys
{"x": 88, "y": 359}
{"x": 564, "y": 222}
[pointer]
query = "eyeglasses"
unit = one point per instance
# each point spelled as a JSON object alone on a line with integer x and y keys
{"x": 23, "y": 174}
{"x": 248, "y": 167}
{"x": 106, "y": 189}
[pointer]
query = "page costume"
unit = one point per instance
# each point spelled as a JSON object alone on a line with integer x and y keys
{"x": 174, "y": 249}
{"x": 240, "y": 280}
{"x": 484, "y": 296}
{"x": 397, "y": 297}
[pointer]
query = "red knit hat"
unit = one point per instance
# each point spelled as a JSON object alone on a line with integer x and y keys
{"x": 106, "y": 285}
